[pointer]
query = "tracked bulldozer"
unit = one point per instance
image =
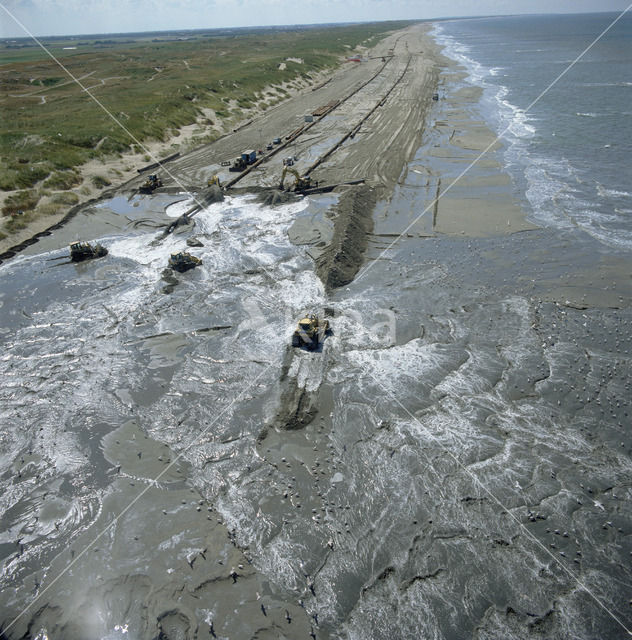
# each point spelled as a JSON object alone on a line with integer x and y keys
{"x": 152, "y": 183}
{"x": 183, "y": 261}
{"x": 310, "y": 332}
{"x": 80, "y": 251}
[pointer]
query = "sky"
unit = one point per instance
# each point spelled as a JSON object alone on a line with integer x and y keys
{"x": 67, "y": 17}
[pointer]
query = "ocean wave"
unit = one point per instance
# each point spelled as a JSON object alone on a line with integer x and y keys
{"x": 507, "y": 117}
{"x": 604, "y": 192}
{"x": 603, "y": 228}
{"x": 560, "y": 193}
{"x": 458, "y": 51}
{"x": 514, "y": 119}
{"x": 558, "y": 198}
{"x": 606, "y": 84}
{"x": 545, "y": 193}
{"x": 593, "y": 114}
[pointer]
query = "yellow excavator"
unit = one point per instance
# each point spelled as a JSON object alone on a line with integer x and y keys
{"x": 214, "y": 180}
{"x": 300, "y": 184}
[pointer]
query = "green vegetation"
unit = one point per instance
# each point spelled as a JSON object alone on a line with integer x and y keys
{"x": 68, "y": 198}
{"x": 59, "y": 203}
{"x": 61, "y": 180}
{"x": 100, "y": 182}
{"x": 20, "y": 201}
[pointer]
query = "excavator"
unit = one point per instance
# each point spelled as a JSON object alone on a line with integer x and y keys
{"x": 300, "y": 184}
{"x": 214, "y": 180}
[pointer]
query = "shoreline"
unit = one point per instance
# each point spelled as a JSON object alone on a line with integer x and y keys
{"x": 464, "y": 151}
{"x": 486, "y": 204}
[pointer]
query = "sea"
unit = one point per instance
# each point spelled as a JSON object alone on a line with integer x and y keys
{"x": 558, "y": 90}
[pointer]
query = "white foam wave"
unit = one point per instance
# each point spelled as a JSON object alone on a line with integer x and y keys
{"x": 556, "y": 203}
{"x": 559, "y": 194}
{"x": 176, "y": 209}
{"x": 513, "y": 122}
{"x": 607, "y": 84}
{"x": 458, "y": 51}
{"x": 604, "y": 192}
{"x": 516, "y": 120}
{"x": 140, "y": 250}
{"x": 544, "y": 192}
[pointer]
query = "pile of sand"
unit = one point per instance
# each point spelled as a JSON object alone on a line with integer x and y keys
{"x": 341, "y": 260}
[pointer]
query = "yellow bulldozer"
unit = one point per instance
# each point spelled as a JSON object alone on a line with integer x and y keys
{"x": 310, "y": 332}
{"x": 300, "y": 184}
{"x": 183, "y": 261}
{"x": 151, "y": 184}
{"x": 80, "y": 251}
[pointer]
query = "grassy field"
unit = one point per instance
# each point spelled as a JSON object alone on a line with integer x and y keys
{"x": 152, "y": 83}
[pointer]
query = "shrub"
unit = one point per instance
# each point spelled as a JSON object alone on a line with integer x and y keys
{"x": 26, "y": 177}
{"x": 63, "y": 180}
{"x": 49, "y": 82}
{"x": 100, "y": 181}
{"x": 20, "y": 201}
{"x": 67, "y": 198}
{"x": 50, "y": 209}
{"x": 16, "y": 224}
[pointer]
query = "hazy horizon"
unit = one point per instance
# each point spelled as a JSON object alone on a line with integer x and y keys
{"x": 49, "y": 18}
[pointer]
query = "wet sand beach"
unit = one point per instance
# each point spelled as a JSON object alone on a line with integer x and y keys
{"x": 453, "y": 461}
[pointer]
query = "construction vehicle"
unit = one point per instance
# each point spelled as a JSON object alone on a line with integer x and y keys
{"x": 239, "y": 165}
{"x": 246, "y": 158}
{"x": 214, "y": 180}
{"x": 80, "y": 251}
{"x": 310, "y": 332}
{"x": 152, "y": 182}
{"x": 300, "y": 184}
{"x": 183, "y": 261}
